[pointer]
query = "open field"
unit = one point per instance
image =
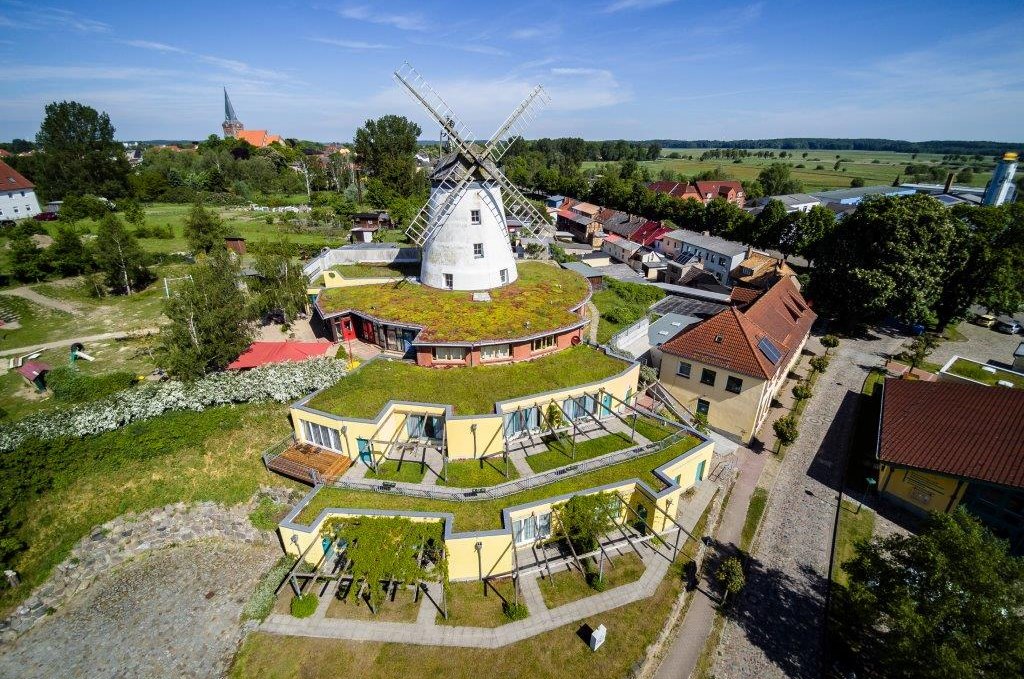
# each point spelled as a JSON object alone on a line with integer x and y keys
{"x": 860, "y": 164}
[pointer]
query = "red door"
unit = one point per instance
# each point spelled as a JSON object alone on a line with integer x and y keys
{"x": 348, "y": 331}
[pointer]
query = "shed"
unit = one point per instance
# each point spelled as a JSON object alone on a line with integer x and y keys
{"x": 34, "y": 373}
{"x": 235, "y": 243}
{"x": 595, "y": 277}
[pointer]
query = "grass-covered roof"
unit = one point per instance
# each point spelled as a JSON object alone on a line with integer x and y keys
{"x": 471, "y": 391}
{"x": 539, "y": 300}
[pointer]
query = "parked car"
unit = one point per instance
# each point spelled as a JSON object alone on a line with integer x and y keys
{"x": 984, "y": 320}
{"x": 46, "y": 217}
{"x": 1007, "y": 325}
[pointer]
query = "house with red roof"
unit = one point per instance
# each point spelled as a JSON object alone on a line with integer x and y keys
{"x": 946, "y": 444}
{"x": 17, "y": 195}
{"x": 729, "y": 367}
{"x": 704, "y": 191}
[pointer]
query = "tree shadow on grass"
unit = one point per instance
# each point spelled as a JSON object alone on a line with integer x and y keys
{"x": 783, "y": 616}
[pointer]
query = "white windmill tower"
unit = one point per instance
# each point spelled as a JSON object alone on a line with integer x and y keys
{"x": 462, "y": 227}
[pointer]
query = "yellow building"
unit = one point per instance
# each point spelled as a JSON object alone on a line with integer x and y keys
{"x": 730, "y": 366}
{"x": 946, "y": 444}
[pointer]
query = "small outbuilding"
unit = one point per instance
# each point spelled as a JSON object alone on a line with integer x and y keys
{"x": 34, "y": 373}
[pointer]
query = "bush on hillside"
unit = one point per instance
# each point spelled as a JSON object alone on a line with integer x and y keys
{"x": 70, "y": 385}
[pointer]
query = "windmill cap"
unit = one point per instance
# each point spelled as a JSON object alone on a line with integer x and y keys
{"x": 1009, "y": 155}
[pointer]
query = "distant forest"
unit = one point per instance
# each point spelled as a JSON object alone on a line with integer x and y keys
{"x": 825, "y": 143}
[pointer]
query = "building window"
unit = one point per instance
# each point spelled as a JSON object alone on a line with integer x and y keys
{"x": 495, "y": 352}
{"x": 683, "y": 370}
{"x": 478, "y": 250}
{"x": 504, "y": 276}
{"x": 321, "y": 435}
{"x": 474, "y": 216}
{"x": 708, "y": 377}
{"x": 449, "y": 281}
{"x": 449, "y": 353}
{"x": 543, "y": 343}
{"x": 703, "y": 407}
{"x": 531, "y": 528}
{"x": 734, "y": 384}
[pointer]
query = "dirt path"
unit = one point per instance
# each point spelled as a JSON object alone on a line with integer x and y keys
{"x": 31, "y": 295}
{"x": 170, "y": 613}
{"x": 57, "y": 344}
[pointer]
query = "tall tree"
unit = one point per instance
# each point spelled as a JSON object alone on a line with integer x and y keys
{"x": 944, "y": 603}
{"x": 210, "y": 321}
{"x": 119, "y": 256}
{"x": 204, "y": 230}
{"x": 27, "y": 261}
{"x": 78, "y": 153}
{"x": 776, "y": 180}
{"x": 68, "y": 255}
{"x": 814, "y": 226}
{"x": 386, "y": 147}
{"x": 281, "y": 285}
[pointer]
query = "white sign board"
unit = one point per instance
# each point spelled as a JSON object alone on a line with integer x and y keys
{"x": 597, "y": 637}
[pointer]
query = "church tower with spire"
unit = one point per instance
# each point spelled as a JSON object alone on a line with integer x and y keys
{"x": 231, "y": 125}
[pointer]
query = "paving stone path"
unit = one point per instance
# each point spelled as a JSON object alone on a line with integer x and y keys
{"x": 171, "y": 613}
{"x": 776, "y": 628}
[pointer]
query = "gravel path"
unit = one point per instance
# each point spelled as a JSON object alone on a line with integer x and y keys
{"x": 31, "y": 295}
{"x": 776, "y": 627}
{"x": 57, "y": 344}
{"x": 171, "y": 613}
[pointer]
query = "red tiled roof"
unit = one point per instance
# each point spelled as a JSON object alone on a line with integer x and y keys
{"x": 262, "y": 353}
{"x": 675, "y": 189}
{"x": 258, "y": 138}
{"x": 744, "y": 296}
{"x": 11, "y": 179}
{"x": 718, "y": 188}
{"x": 730, "y": 339}
{"x": 966, "y": 430}
{"x": 30, "y": 370}
{"x": 4, "y": 153}
{"x": 649, "y": 232}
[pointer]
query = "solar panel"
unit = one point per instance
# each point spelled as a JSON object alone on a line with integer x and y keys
{"x": 769, "y": 350}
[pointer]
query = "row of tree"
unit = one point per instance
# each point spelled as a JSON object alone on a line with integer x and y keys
{"x": 988, "y": 148}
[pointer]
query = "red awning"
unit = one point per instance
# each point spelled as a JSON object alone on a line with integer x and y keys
{"x": 262, "y": 353}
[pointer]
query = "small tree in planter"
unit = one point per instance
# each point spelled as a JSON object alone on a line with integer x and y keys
{"x": 554, "y": 418}
{"x": 829, "y": 342}
{"x": 730, "y": 575}
{"x": 786, "y": 429}
{"x": 819, "y": 364}
{"x": 700, "y": 422}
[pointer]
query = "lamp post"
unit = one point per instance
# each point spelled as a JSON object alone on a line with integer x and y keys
{"x": 479, "y": 547}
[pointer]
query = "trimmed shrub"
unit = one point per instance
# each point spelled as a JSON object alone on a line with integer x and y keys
{"x": 830, "y": 341}
{"x": 305, "y": 605}
{"x": 802, "y": 391}
{"x": 819, "y": 363}
{"x": 514, "y": 611}
{"x": 786, "y": 429}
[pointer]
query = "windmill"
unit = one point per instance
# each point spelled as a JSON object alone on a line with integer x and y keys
{"x": 462, "y": 228}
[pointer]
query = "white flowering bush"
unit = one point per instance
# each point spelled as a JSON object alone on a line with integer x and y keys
{"x": 280, "y": 382}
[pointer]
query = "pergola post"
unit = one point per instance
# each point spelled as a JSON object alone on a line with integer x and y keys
{"x": 572, "y": 422}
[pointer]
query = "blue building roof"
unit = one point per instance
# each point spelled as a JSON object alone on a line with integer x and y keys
{"x": 854, "y": 196}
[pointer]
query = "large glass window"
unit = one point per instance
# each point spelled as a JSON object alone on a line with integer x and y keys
{"x": 543, "y": 343}
{"x": 734, "y": 384}
{"x": 684, "y": 369}
{"x": 703, "y": 407}
{"x": 449, "y": 353}
{"x": 495, "y": 352}
{"x": 325, "y": 437}
{"x": 530, "y": 528}
{"x": 708, "y": 377}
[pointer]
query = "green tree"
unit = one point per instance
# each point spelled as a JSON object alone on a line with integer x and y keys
{"x": 119, "y": 257}
{"x": 730, "y": 575}
{"x": 210, "y": 321}
{"x": 776, "y": 180}
{"x": 856, "y": 182}
{"x": 68, "y": 256}
{"x": 281, "y": 285}
{"x": 814, "y": 227}
{"x": 204, "y": 230}
{"x": 133, "y": 212}
{"x": 944, "y": 603}
{"x": 786, "y": 429}
{"x": 920, "y": 349}
{"x": 585, "y": 518}
{"x": 27, "y": 261}
{"x": 386, "y": 148}
{"x": 78, "y": 153}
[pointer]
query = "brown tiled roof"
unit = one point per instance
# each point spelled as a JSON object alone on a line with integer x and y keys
{"x": 965, "y": 430}
{"x": 731, "y": 339}
{"x": 11, "y": 179}
{"x": 744, "y": 296}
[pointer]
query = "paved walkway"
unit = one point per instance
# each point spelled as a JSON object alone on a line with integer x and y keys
{"x": 57, "y": 344}
{"x": 656, "y": 560}
{"x": 31, "y": 295}
{"x": 682, "y": 655}
{"x": 595, "y": 320}
{"x": 776, "y": 627}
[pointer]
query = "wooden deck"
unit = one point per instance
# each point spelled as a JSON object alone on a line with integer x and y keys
{"x": 300, "y": 460}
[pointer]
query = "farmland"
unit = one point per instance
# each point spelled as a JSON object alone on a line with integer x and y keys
{"x": 874, "y": 167}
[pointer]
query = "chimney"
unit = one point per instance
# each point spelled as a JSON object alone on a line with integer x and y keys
{"x": 705, "y": 233}
{"x": 750, "y": 251}
{"x": 949, "y": 182}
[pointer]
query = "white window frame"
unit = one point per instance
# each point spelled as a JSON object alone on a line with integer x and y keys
{"x": 495, "y": 352}
{"x": 503, "y": 274}
{"x": 543, "y": 343}
{"x": 531, "y": 528}
{"x": 449, "y": 281}
{"x": 449, "y": 353}
{"x": 478, "y": 250}
{"x": 679, "y": 369}
{"x": 321, "y": 435}
{"x": 474, "y": 216}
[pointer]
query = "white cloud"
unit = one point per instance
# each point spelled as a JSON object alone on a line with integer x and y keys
{"x": 352, "y": 44}
{"x": 38, "y": 17}
{"x": 232, "y": 66}
{"x": 622, "y": 5}
{"x": 33, "y": 72}
{"x": 544, "y": 32}
{"x": 156, "y": 46}
{"x": 404, "y": 22}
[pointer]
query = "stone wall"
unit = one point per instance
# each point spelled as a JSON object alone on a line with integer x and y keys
{"x": 130, "y": 535}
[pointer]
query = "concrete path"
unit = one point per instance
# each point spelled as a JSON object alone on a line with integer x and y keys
{"x": 595, "y": 319}
{"x": 427, "y": 615}
{"x": 57, "y": 344}
{"x": 682, "y": 655}
{"x": 776, "y": 627}
{"x": 656, "y": 561}
{"x": 31, "y": 295}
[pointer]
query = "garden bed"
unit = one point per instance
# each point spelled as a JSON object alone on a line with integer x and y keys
{"x": 468, "y": 606}
{"x": 405, "y": 471}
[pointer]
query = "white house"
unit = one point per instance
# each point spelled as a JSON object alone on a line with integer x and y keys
{"x": 17, "y": 195}
{"x": 716, "y": 255}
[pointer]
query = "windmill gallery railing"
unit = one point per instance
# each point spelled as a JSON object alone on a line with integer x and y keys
{"x": 519, "y": 485}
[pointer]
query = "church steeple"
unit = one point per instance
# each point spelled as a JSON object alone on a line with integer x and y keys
{"x": 231, "y": 125}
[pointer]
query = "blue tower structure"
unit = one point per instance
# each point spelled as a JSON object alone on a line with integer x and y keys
{"x": 1000, "y": 188}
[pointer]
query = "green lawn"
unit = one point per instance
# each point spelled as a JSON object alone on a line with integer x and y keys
{"x": 854, "y": 524}
{"x": 607, "y": 300}
{"x": 755, "y": 510}
{"x": 974, "y": 371}
{"x": 469, "y": 390}
{"x": 566, "y": 586}
{"x": 539, "y": 300}
{"x": 177, "y": 457}
{"x": 560, "y": 453}
{"x": 393, "y": 470}
{"x": 652, "y": 430}
{"x": 397, "y": 606}
{"x": 469, "y": 606}
{"x": 478, "y": 473}
{"x": 486, "y": 514}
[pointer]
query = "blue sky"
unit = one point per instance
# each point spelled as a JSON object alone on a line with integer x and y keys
{"x": 614, "y": 68}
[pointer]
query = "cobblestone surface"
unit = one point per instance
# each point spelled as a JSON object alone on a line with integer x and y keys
{"x": 170, "y": 613}
{"x": 982, "y": 344}
{"x": 776, "y": 627}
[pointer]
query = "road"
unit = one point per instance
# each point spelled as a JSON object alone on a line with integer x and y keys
{"x": 776, "y": 627}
